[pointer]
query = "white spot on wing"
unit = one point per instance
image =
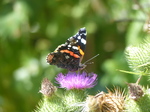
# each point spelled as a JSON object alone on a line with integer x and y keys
{"x": 69, "y": 45}
{"x": 79, "y": 37}
{"x": 83, "y": 41}
{"x": 74, "y": 47}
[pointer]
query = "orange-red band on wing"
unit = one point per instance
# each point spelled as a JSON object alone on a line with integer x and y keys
{"x": 71, "y": 53}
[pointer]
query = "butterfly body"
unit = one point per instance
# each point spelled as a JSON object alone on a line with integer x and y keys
{"x": 70, "y": 54}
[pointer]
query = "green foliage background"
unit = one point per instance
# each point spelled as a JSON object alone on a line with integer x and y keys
{"x": 30, "y": 29}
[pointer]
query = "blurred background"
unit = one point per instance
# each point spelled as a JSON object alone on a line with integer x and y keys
{"x": 30, "y": 29}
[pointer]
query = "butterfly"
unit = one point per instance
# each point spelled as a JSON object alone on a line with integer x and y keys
{"x": 69, "y": 55}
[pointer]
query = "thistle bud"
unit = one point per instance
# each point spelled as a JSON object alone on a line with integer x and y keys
{"x": 135, "y": 91}
{"x": 47, "y": 88}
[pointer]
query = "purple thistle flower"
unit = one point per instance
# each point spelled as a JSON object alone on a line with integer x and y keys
{"x": 73, "y": 80}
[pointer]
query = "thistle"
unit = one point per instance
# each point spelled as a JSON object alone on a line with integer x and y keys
{"x": 138, "y": 58}
{"x": 50, "y": 102}
{"x": 138, "y": 100}
{"x": 74, "y": 85}
{"x": 105, "y": 102}
{"x": 73, "y": 80}
{"x": 135, "y": 91}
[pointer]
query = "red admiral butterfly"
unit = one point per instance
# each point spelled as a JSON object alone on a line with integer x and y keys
{"x": 70, "y": 54}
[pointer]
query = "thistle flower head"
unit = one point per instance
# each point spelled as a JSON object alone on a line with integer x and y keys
{"x": 73, "y": 80}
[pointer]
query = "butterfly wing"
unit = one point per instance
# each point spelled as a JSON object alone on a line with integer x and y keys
{"x": 70, "y": 54}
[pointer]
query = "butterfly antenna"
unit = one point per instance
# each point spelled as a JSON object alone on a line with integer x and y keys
{"x": 91, "y": 59}
{"x": 90, "y": 63}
